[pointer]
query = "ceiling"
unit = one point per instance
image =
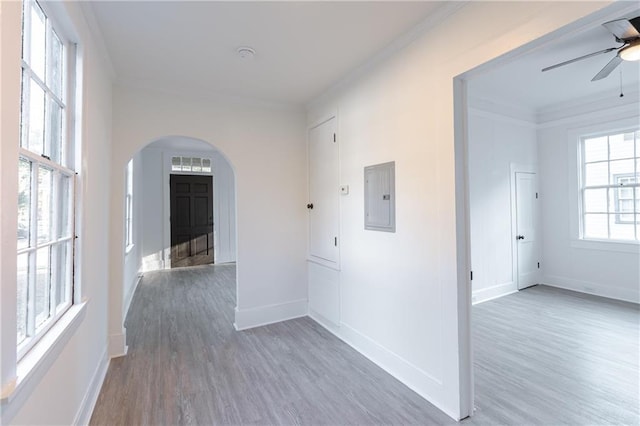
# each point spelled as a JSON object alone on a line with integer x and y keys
{"x": 521, "y": 82}
{"x": 302, "y": 48}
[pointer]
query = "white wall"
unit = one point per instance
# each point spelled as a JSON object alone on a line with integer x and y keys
{"x": 605, "y": 269}
{"x": 495, "y": 142}
{"x": 155, "y": 228}
{"x": 400, "y": 292}
{"x": 56, "y": 391}
{"x": 265, "y": 146}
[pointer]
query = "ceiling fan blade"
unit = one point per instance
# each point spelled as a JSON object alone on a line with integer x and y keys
{"x": 623, "y": 29}
{"x": 608, "y": 68}
{"x": 570, "y": 61}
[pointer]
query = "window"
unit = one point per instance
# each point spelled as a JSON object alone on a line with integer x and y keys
{"x": 191, "y": 164}
{"x": 128, "y": 215}
{"x": 611, "y": 186}
{"x": 46, "y": 179}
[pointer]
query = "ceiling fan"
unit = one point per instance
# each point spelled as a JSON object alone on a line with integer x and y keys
{"x": 627, "y": 32}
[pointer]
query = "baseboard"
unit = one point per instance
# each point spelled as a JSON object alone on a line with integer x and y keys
{"x": 625, "y": 294}
{"x": 83, "y": 416}
{"x": 263, "y": 315}
{"x": 326, "y": 323}
{"x": 410, "y": 375}
{"x": 117, "y": 345}
{"x": 129, "y": 298}
{"x": 493, "y": 292}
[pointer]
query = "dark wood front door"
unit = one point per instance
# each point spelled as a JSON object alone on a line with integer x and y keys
{"x": 191, "y": 220}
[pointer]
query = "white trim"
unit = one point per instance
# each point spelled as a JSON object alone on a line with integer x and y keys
{"x": 494, "y": 292}
{"x": 128, "y": 249}
{"x": 117, "y": 345}
{"x": 93, "y": 391}
{"x": 607, "y": 245}
{"x": 36, "y": 363}
{"x": 129, "y": 297}
{"x": 495, "y": 116}
{"x": 611, "y": 292}
{"x": 264, "y": 315}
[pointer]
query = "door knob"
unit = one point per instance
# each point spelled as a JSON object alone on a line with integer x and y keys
{"x": 520, "y": 237}
{"x": 310, "y": 206}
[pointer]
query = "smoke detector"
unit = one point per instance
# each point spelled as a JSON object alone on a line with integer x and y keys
{"x": 246, "y": 52}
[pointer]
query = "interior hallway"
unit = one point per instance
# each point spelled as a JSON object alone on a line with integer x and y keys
{"x": 543, "y": 356}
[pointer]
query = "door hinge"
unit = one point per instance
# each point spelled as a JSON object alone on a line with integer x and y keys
{"x": 538, "y": 265}
{"x": 536, "y": 195}
{"x": 335, "y": 241}
{"x": 471, "y": 273}
{"x": 334, "y": 137}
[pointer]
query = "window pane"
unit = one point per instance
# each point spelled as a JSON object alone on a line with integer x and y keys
{"x": 206, "y": 165}
{"x": 54, "y": 135}
{"x": 36, "y": 118}
{"x": 621, "y": 172}
{"x": 24, "y": 202}
{"x": 595, "y": 149}
{"x": 621, "y": 146}
{"x": 595, "y": 200}
{"x": 63, "y": 280}
{"x": 55, "y": 79}
{"x": 637, "y": 205}
{"x": 45, "y": 192}
{"x": 196, "y": 164}
{"x": 43, "y": 285}
{"x": 64, "y": 216}
{"x": 595, "y": 226}
{"x": 176, "y": 165}
{"x": 596, "y": 174}
{"x": 37, "y": 36}
{"x": 24, "y": 108}
{"x": 186, "y": 164}
{"x": 622, "y": 227}
{"x": 23, "y": 287}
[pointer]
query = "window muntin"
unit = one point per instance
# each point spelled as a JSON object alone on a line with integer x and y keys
{"x": 610, "y": 186}
{"x": 129, "y": 206}
{"x": 45, "y": 241}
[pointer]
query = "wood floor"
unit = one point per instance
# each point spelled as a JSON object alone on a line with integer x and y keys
{"x": 543, "y": 356}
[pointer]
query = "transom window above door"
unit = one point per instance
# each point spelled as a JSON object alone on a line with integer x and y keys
{"x": 610, "y": 189}
{"x": 191, "y": 164}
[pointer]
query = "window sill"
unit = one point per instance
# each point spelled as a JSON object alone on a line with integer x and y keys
{"x": 128, "y": 249}
{"x": 35, "y": 363}
{"x": 606, "y": 245}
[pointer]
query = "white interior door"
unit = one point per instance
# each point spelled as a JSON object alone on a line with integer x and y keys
{"x": 527, "y": 229}
{"x": 324, "y": 203}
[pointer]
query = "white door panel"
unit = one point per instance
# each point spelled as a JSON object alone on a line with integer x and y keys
{"x": 526, "y": 229}
{"x": 323, "y": 192}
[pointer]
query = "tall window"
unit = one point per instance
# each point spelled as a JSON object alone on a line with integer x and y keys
{"x": 45, "y": 182}
{"x": 611, "y": 186}
{"x": 128, "y": 216}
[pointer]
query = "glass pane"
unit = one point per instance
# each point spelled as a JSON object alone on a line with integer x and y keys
{"x": 24, "y": 108}
{"x": 43, "y": 284}
{"x": 206, "y": 165}
{"x": 24, "y": 202}
{"x": 65, "y": 208}
{"x": 596, "y": 174}
{"x": 621, "y": 172}
{"x": 23, "y": 288}
{"x": 45, "y": 213}
{"x": 621, "y": 146}
{"x": 595, "y": 149}
{"x": 63, "y": 280}
{"x": 637, "y": 205}
{"x": 595, "y": 201}
{"x": 595, "y": 226}
{"x": 36, "y": 118}
{"x": 37, "y": 36}
{"x": 186, "y": 164}
{"x": 54, "y": 135}
{"x": 622, "y": 227}
{"x": 196, "y": 164}
{"x": 176, "y": 164}
{"x": 55, "y": 79}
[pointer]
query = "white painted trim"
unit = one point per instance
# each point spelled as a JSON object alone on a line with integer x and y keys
{"x": 264, "y": 315}
{"x": 625, "y": 294}
{"x": 324, "y": 322}
{"x": 607, "y": 245}
{"x": 117, "y": 345}
{"x": 129, "y": 296}
{"x": 36, "y": 363}
{"x": 494, "y": 292}
{"x": 410, "y": 375}
{"x": 93, "y": 391}
{"x": 495, "y": 116}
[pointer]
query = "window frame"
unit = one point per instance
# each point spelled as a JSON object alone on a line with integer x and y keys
{"x": 62, "y": 167}
{"x": 128, "y": 208}
{"x": 610, "y": 187}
